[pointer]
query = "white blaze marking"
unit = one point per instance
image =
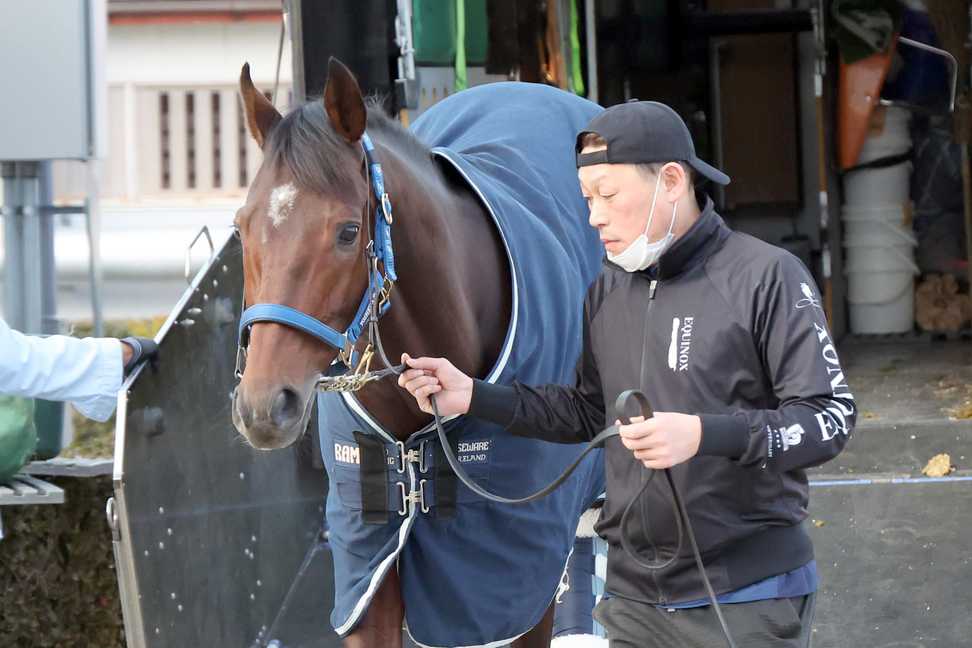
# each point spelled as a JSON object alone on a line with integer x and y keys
{"x": 281, "y": 202}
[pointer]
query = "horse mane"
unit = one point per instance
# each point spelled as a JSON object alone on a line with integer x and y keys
{"x": 319, "y": 158}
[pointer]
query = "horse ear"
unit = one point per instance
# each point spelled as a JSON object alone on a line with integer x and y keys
{"x": 261, "y": 116}
{"x": 343, "y": 102}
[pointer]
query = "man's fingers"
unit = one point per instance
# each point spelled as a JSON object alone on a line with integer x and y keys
{"x": 411, "y": 374}
{"x": 427, "y": 390}
{"x": 413, "y": 386}
{"x": 423, "y": 363}
{"x": 637, "y": 430}
{"x": 643, "y": 443}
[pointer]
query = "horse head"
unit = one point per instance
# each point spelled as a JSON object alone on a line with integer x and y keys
{"x": 304, "y": 231}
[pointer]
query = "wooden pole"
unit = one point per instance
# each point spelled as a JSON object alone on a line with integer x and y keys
{"x": 967, "y": 202}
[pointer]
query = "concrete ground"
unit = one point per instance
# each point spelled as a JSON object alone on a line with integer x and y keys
{"x": 892, "y": 545}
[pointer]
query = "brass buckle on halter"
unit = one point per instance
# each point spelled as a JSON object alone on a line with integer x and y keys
{"x": 357, "y": 376}
{"x": 385, "y": 292}
{"x": 364, "y": 363}
{"x": 346, "y": 355}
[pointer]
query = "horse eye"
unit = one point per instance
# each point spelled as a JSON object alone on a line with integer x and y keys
{"x": 348, "y": 234}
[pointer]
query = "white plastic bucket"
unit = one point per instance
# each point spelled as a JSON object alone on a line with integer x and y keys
{"x": 880, "y": 288}
{"x": 896, "y": 315}
{"x": 864, "y": 232}
{"x": 884, "y": 186}
{"x": 880, "y": 258}
{"x": 893, "y": 213}
{"x": 894, "y": 139}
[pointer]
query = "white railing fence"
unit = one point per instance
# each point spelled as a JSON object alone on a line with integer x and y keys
{"x": 172, "y": 142}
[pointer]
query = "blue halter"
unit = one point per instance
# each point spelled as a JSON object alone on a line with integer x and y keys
{"x": 375, "y": 301}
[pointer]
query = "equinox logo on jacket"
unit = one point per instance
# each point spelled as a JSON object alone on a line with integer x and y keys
{"x": 678, "y": 351}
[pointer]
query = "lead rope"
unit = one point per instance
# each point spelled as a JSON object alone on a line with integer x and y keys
{"x": 682, "y": 522}
{"x": 681, "y": 514}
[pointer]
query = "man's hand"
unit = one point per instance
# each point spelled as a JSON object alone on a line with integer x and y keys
{"x": 438, "y": 376}
{"x": 665, "y": 440}
{"x": 135, "y": 350}
{"x": 126, "y": 354}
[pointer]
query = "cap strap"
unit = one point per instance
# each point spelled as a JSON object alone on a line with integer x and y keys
{"x": 590, "y": 159}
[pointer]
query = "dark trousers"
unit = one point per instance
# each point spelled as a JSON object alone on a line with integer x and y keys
{"x": 773, "y": 623}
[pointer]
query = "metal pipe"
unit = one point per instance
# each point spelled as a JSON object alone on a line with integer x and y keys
{"x": 22, "y": 237}
{"x": 93, "y": 228}
{"x": 952, "y": 63}
{"x": 590, "y": 23}
{"x": 823, "y": 199}
{"x": 12, "y": 243}
{"x": 49, "y": 324}
{"x": 299, "y": 84}
{"x": 967, "y": 180}
{"x": 715, "y": 75}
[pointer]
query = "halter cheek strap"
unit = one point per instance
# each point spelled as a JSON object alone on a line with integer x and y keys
{"x": 375, "y": 301}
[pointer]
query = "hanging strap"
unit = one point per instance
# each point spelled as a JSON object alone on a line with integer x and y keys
{"x": 374, "y": 479}
{"x": 446, "y": 482}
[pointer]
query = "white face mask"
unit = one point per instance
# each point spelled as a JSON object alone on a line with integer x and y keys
{"x": 641, "y": 253}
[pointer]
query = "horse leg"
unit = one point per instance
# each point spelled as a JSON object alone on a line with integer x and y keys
{"x": 539, "y": 636}
{"x": 382, "y": 623}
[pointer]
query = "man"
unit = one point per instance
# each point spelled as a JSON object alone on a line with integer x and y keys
{"x": 727, "y": 338}
{"x": 88, "y": 373}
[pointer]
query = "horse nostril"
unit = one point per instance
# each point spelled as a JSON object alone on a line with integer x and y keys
{"x": 286, "y": 408}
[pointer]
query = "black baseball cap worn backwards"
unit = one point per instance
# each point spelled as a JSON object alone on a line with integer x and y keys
{"x": 643, "y": 132}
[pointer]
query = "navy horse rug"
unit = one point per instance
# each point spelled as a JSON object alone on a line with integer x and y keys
{"x": 473, "y": 572}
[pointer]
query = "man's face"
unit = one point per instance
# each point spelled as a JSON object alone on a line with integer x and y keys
{"x": 619, "y": 198}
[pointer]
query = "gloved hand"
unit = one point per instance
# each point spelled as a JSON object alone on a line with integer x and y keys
{"x": 142, "y": 349}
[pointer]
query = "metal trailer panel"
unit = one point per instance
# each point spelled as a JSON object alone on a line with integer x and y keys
{"x": 216, "y": 544}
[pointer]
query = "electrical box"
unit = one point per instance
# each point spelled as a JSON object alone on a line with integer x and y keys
{"x": 52, "y": 72}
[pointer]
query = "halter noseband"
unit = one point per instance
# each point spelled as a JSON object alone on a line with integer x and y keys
{"x": 375, "y": 302}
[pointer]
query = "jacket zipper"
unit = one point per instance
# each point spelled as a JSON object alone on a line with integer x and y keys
{"x": 643, "y": 374}
{"x": 652, "y": 288}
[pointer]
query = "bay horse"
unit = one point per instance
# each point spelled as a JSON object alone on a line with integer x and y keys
{"x": 306, "y": 230}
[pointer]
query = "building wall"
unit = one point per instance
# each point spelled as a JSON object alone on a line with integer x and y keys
{"x": 174, "y": 123}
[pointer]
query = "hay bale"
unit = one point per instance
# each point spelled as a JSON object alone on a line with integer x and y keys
{"x": 939, "y": 306}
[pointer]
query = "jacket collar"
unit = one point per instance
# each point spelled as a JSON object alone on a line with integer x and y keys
{"x": 705, "y": 235}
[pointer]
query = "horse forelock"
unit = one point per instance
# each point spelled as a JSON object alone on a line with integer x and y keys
{"x": 323, "y": 162}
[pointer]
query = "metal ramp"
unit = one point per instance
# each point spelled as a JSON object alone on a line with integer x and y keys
{"x": 216, "y": 543}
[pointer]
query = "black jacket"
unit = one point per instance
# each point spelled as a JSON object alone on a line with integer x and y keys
{"x": 732, "y": 329}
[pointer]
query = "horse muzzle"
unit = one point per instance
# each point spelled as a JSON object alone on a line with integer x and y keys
{"x": 272, "y": 419}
